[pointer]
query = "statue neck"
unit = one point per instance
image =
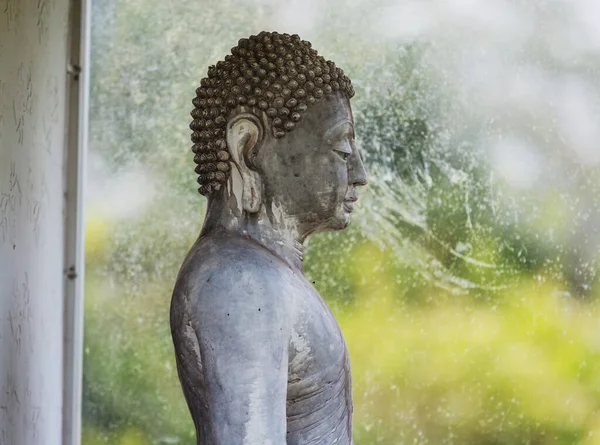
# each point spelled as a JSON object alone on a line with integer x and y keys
{"x": 272, "y": 230}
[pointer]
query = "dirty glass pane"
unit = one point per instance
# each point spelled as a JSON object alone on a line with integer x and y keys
{"x": 467, "y": 286}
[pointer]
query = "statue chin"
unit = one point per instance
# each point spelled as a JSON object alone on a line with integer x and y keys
{"x": 332, "y": 221}
{"x": 341, "y": 220}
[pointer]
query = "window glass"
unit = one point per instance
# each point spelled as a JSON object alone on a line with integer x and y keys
{"x": 466, "y": 286}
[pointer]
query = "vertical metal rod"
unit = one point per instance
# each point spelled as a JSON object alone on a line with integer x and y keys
{"x": 76, "y": 137}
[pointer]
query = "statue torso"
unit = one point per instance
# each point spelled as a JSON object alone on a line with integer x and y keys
{"x": 319, "y": 404}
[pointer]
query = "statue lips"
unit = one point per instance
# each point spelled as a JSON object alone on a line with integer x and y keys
{"x": 349, "y": 204}
{"x": 350, "y": 199}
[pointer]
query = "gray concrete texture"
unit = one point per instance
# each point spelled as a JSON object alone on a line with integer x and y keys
{"x": 33, "y": 80}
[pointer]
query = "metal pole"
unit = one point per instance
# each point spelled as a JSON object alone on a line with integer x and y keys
{"x": 77, "y": 135}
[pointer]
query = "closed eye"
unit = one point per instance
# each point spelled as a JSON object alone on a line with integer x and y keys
{"x": 342, "y": 154}
{"x": 342, "y": 148}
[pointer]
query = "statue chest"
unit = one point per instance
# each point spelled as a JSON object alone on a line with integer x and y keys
{"x": 319, "y": 403}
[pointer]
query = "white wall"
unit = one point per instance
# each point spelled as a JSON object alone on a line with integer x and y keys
{"x": 33, "y": 59}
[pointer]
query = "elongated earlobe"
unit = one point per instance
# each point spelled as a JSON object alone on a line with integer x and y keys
{"x": 244, "y": 133}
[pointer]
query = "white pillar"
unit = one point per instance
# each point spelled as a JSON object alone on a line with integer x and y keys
{"x": 34, "y": 48}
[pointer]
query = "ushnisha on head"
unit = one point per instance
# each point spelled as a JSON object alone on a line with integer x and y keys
{"x": 278, "y": 77}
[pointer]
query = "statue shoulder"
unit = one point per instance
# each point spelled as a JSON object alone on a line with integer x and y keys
{"x": 232, "y": 271}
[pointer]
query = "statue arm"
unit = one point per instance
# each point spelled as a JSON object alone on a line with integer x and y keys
{"x": 243, "y": 337}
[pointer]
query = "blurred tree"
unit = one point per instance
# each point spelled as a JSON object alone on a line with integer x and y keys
{"x": 452, "y": 285}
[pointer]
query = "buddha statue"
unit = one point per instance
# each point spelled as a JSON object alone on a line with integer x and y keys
{"x": 260, "y": 356}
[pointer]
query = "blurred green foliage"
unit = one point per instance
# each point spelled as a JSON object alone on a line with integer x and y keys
{"x": 468, "y": 305}
{"x": 428, "y": 366}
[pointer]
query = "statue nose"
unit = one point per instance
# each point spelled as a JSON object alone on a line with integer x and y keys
{"x": 357, "y": 174}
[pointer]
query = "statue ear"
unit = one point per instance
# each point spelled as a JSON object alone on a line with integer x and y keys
{"x": 244, "y": 135}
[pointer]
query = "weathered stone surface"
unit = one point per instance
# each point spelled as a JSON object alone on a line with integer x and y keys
{"x": 260, "y": 356}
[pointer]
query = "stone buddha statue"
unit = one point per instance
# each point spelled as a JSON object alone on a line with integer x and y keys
{"x": 260, "y": 355}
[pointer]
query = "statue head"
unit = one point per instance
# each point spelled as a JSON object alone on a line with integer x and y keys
{"x": 273, "y": 127}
